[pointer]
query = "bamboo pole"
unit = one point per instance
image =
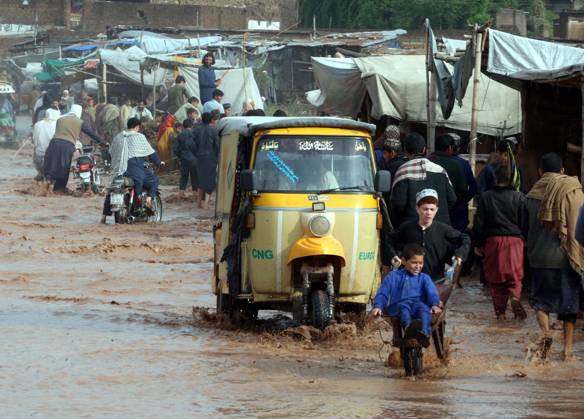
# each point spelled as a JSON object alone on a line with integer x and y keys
{"x": 430, "y": 93}
{"x": 104, "y": 81}
{"x": 472, "y": 149}
{"x": 582, "y": 153}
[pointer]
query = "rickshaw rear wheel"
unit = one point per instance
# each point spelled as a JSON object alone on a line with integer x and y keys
{"x": 413, "y": 359}
{"x": 320, "y": 314}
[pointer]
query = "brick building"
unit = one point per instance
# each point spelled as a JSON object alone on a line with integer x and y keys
{"x": 94, "y": 15}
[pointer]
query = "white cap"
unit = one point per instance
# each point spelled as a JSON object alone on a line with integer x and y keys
{"x": 426, "y": 193}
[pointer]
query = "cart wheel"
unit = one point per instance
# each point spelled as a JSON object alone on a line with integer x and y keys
{"x": 413, "y": 361}
{"x": 249, "y": 311}
{"x": 438, "y": 338}
{"x": 320, "y": 309}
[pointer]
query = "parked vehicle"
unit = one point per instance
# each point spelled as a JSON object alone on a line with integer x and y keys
{"x": 298, "y": 217}
{"x": 7, "y": 114}
{"x": 127, "y": 207}
{"x": 88, "y": 172}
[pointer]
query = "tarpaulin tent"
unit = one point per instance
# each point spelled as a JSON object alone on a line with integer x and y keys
{"x": 513, "y": 59}
{"x": 396, "y": 85}
{"x": 155, "y": 43}
{"x": 91, "y": 46}
{"x": 57, "y": 69}
{"x": 127, "y": 64}
{"x": 550, "y": 77}
{"x": 238, "y": 84}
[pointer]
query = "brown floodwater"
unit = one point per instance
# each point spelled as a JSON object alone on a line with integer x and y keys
{"x": 119, "y": 321}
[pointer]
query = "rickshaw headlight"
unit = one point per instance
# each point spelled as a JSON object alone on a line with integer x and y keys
{"x": 319, "y": 226}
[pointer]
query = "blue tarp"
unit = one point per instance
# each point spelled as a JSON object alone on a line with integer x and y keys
{"x": 94, "y": 45}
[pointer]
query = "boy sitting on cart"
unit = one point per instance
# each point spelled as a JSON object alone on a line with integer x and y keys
{"x": 410, "y": 295}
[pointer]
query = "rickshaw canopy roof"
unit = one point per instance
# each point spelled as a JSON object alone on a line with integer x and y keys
{"x": 248, "y": 125}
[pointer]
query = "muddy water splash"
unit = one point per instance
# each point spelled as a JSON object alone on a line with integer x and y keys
{"x": 98, "y": 321}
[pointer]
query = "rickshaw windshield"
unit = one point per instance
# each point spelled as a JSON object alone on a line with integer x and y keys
{"x": 314, "y": 164}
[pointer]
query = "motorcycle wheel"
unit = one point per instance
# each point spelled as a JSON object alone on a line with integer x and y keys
{"x": 157, "y": 206}
{"x": 319, "y": 312}
{"x": 121, "y": 216}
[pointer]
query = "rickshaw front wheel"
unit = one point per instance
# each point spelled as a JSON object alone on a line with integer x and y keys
{"x": 223, "y": 304}
{"x": 320, "y": 309}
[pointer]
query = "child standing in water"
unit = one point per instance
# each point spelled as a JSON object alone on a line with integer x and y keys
{"x": 499, "y": 223}
{"x": 410, "y": 295}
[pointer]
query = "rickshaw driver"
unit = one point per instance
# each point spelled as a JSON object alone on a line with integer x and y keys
{"x": 438, "y": 239}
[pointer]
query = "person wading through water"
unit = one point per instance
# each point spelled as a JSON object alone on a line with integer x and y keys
{"x": 499, "y": 223}
{"x": 207, "y": 154}
{"x": 555, "y": 286}
{"x": 57, "y": 163}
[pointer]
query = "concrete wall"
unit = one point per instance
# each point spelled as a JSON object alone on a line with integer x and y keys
{"x": 49, "y": 12}
{"x": 513, "y": 21}
{"x": 571, "y": 26}
{"x": 98, "y": 14}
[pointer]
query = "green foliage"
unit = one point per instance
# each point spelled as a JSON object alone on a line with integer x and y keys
{"x": 410, "y": 14}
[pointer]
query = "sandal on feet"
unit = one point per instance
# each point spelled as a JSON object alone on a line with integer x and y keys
{"x": 518, "y": 310}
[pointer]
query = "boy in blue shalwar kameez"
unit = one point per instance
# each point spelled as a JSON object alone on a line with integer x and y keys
{"x": 410, "y": 295}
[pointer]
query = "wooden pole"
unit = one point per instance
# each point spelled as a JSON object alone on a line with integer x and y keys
{"x": 582, "y": 151}
{"x": 103, "y": 84}
{"x": 142, "y": 83}
{"x": 430, "y": 93}
{"x": 155, "y": 69}
{"x": 472, "y": 149}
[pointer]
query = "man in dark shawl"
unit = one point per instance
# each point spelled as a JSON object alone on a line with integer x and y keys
{"x": 207, "y": 155}
{"x": 207, "y": 81}
{"x": 183, "y": 148}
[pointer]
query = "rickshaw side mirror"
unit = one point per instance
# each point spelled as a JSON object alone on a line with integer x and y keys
{"x": 382, "y": 181}
{"x": 248, "y": 181}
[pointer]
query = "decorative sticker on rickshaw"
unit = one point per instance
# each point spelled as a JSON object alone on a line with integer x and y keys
{"x": 270, "y": 145}
{"x": 316, "y": 145}
{"x": 262, "y": 254}
{"x": 366, "y": 255}
{"x": 360, "y": 146}
{"x": 283, "y": 167}
{"x": 318, "y": 197}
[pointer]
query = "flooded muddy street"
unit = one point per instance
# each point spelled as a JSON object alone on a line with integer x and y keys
{"x": 118, "y": 320}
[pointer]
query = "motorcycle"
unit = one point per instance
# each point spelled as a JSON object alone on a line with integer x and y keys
{"x": 127, "y": 207}
{"x": 90, "y": 168}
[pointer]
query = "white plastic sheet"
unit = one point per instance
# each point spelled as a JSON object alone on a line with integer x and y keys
{"x": 127, "y": 63}
{"x": 238, "y": 84}
{"x": 521, "y": 58}
{"x": 396, "y": 85}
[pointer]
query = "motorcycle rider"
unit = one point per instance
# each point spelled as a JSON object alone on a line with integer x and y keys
{"x": 128, "y": 150}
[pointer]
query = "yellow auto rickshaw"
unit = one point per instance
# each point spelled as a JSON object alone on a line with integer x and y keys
{"x": 298, "y": 217}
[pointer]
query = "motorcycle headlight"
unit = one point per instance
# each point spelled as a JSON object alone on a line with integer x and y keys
{"x": 319, "y": 226}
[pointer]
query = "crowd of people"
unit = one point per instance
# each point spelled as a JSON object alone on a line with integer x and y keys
{"x": 429, "y": 208}
{"x": 186, "y": 133}
{"x": 516, "y": 234}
